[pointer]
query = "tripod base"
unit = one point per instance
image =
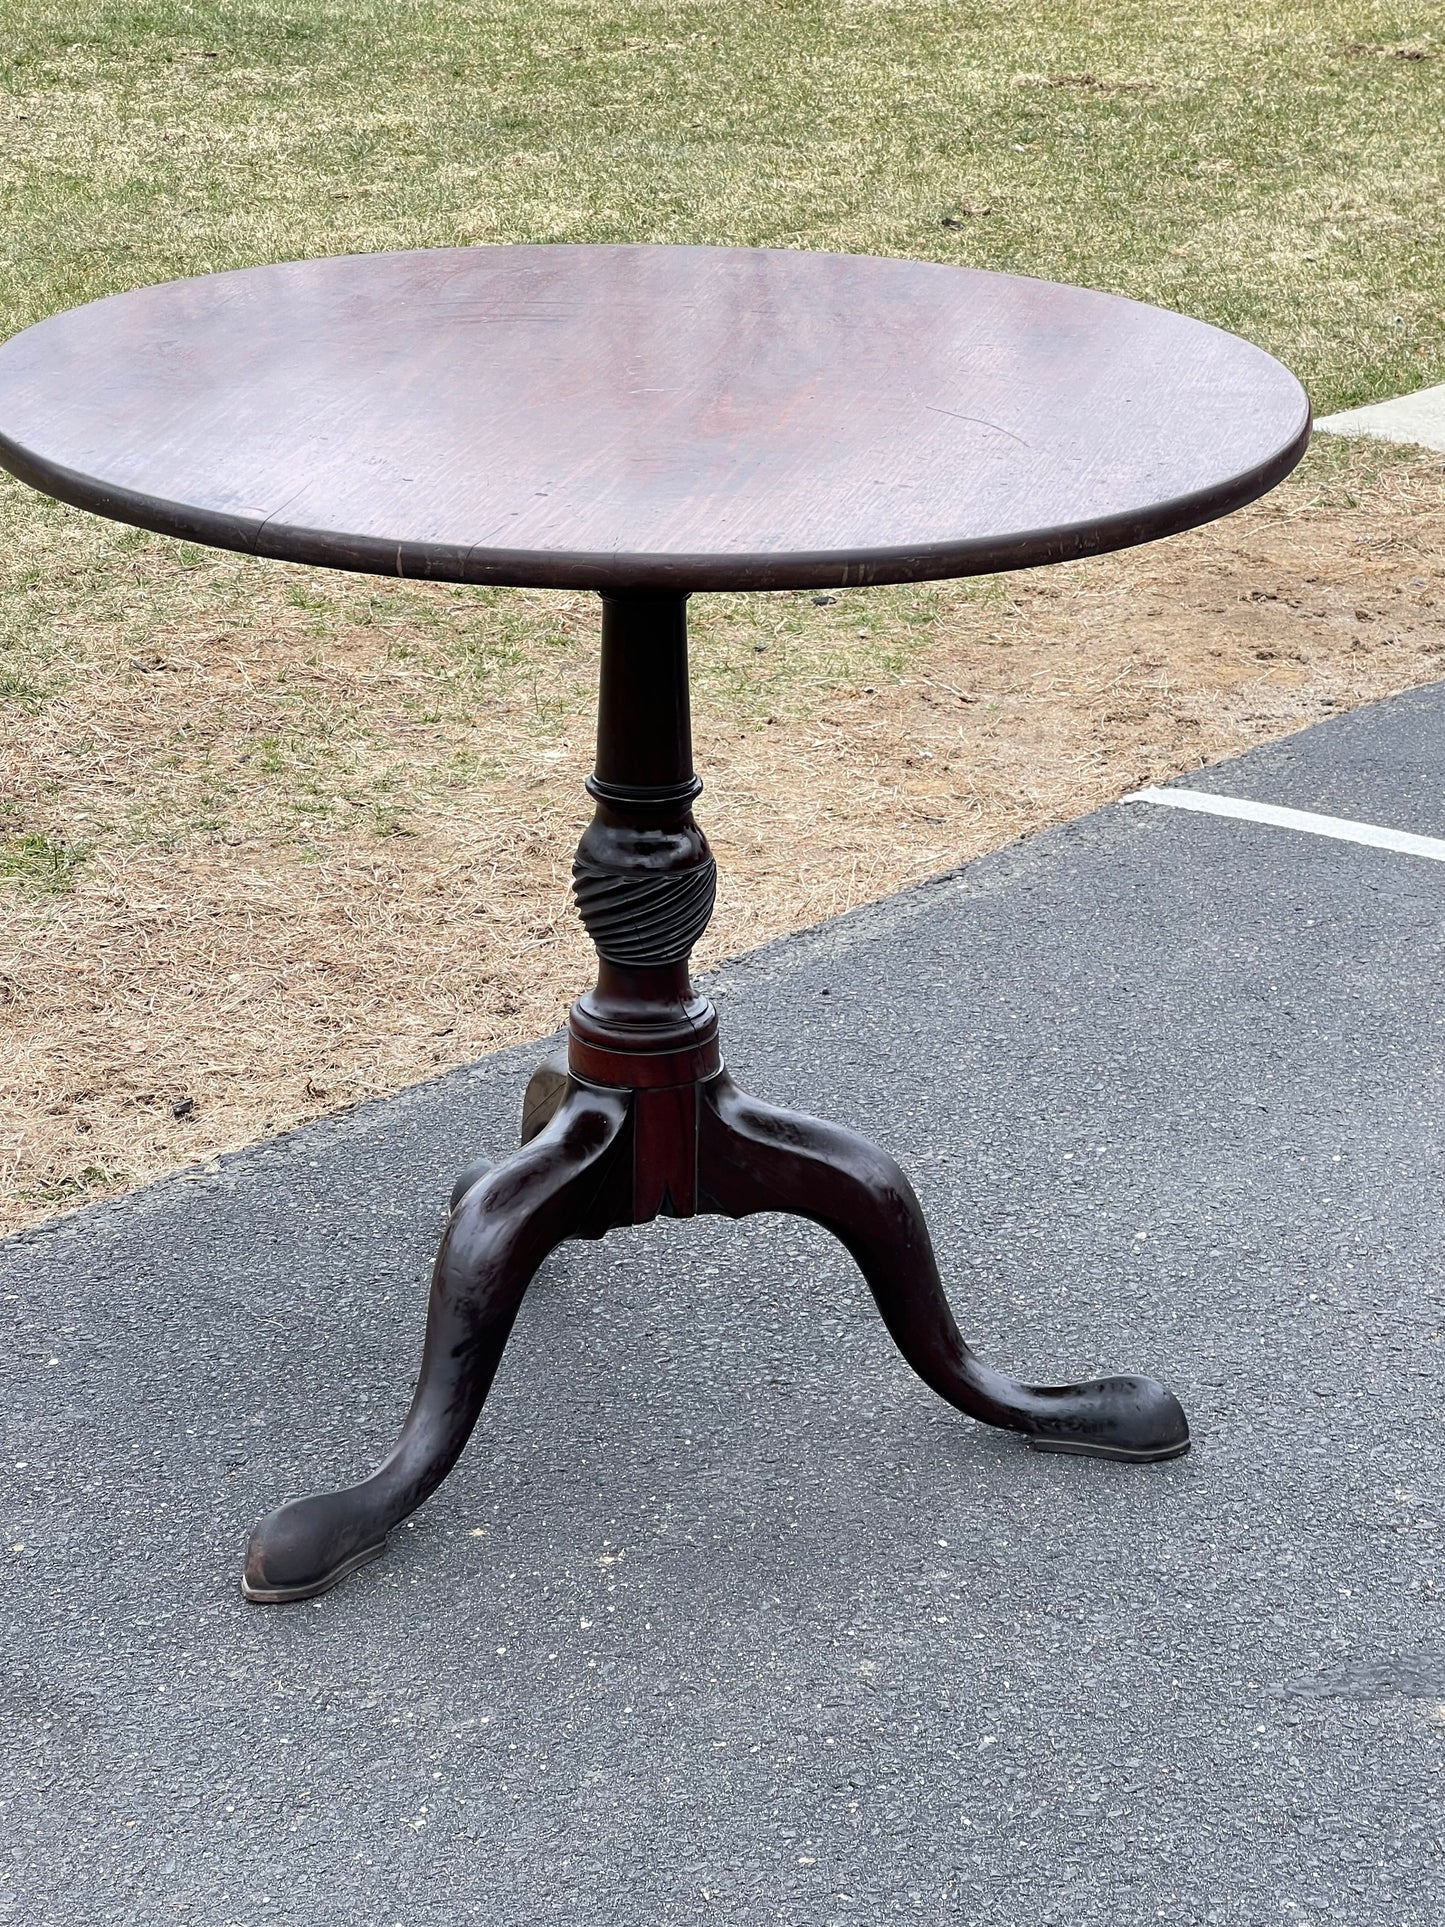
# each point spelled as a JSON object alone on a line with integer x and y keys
{"x": 606, "y": 1156}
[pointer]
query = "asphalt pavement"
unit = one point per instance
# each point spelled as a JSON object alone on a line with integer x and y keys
{"x": 724, "y": 1616}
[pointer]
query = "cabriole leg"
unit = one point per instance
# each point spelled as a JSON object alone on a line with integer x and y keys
{"x": 502, "y": 1230}
{"x": 753, "y": 1157}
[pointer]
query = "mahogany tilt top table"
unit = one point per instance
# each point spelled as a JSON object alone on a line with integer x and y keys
{"x": 650, "y": 422}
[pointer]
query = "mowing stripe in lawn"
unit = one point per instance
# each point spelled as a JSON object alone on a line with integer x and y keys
{"x": 1343, "y": 828}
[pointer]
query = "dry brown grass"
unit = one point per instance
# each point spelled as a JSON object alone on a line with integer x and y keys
{"x": 314, "y": 844}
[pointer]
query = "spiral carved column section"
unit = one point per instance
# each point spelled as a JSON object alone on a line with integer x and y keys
{"x": 643, "y": 919}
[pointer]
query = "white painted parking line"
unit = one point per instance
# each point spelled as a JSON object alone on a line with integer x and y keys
{"x": 1343, "y": 828}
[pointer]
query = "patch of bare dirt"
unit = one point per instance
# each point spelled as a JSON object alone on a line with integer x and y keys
{"x": 189, "y": 995}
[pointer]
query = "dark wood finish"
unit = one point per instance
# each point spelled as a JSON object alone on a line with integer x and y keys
{"x": 643, "y": 1122}
{"x": 546, "y": 1088}
{"x": 754, "y": 1157}
{"x": 648, "y": 422}
{"x": 633, "y": 417}
{"x": 501, "y": 1230}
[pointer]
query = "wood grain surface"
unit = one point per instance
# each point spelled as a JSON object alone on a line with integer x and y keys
{"x": 645, "y": 417}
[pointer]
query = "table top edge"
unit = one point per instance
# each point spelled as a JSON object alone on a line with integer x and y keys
{"x": 714, "y": 572}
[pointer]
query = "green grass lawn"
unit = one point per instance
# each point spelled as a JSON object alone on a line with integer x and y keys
{"x": 1274, "y": 168}
{"x": 1277, "y": 171}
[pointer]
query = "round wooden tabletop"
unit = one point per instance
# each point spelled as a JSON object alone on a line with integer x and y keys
{"x": 645, "y": 417}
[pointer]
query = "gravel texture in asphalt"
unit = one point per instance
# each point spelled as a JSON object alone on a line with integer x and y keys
{"x": 723, "y": 1615}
